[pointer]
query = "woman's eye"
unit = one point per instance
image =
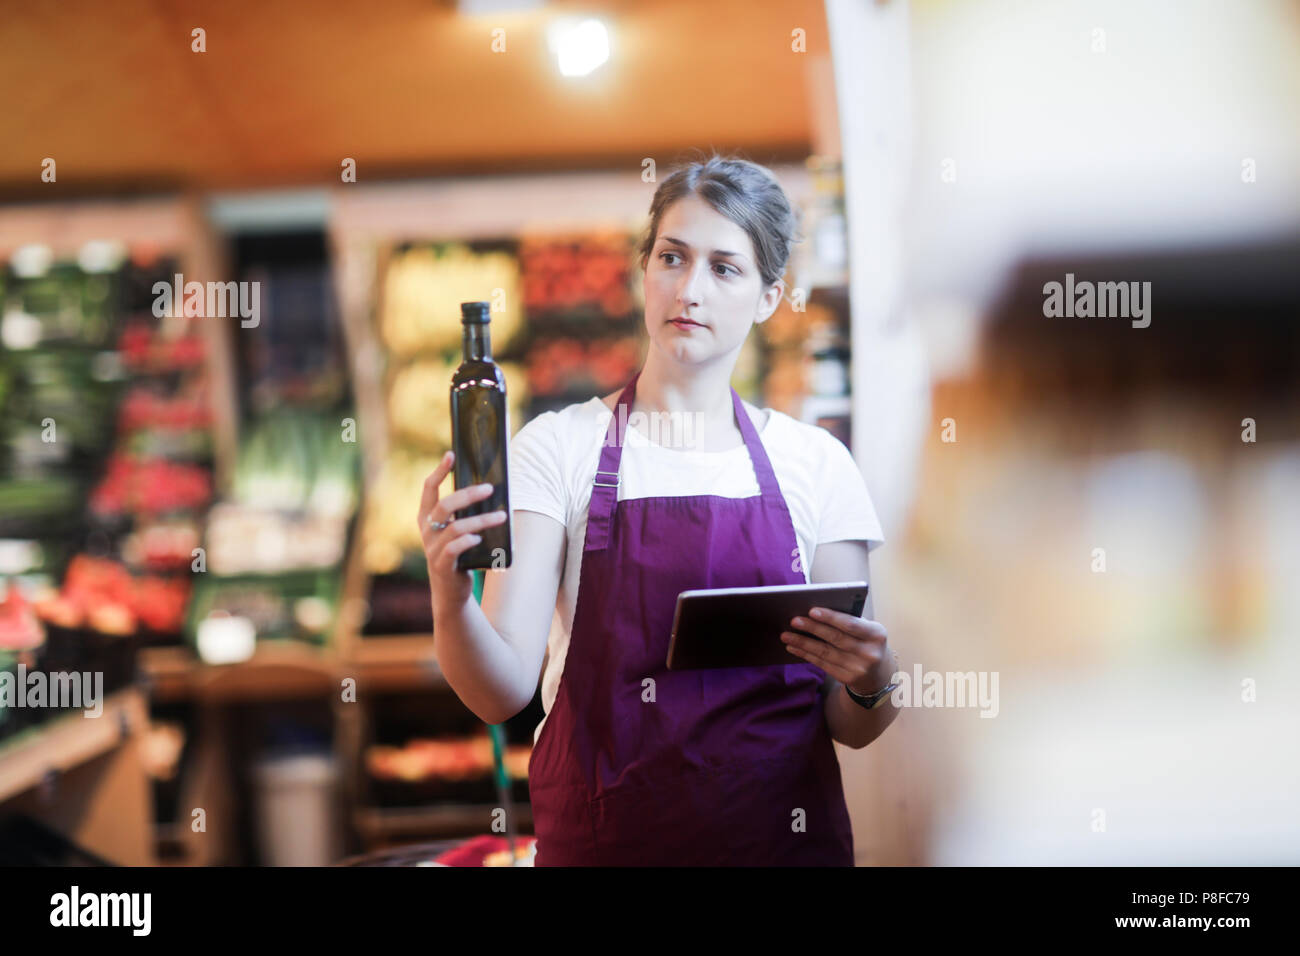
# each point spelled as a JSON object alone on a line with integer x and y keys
{"x": 723, "y": 268}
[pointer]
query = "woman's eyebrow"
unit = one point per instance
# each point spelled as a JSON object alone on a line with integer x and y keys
{"x": 716, "y": 252}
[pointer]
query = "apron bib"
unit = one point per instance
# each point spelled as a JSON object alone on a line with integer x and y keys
{"x": 639, "y": 765}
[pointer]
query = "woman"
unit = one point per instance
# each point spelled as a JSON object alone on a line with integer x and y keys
{"x": 634, "y": 764}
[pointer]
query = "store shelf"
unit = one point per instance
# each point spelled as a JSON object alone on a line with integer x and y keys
{"x": 69, "y": 741}
{"x": 454, "y": 819}
{"x": 290, "y": 669}
{"x": 168, "y": 671}
{"x": 278, "y": 670}
{"x": 395, "y": 662}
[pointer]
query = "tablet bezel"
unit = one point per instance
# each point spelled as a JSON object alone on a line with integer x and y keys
{"x": 796, "y": 599}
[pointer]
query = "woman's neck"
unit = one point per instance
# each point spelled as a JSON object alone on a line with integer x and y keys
{"x": 703, "y": 389}
{"x": 688, "y": 409}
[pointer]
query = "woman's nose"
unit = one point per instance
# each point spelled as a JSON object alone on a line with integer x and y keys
{"x": 689, "y": 293}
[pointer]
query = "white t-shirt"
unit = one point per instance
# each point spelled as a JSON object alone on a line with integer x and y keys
{"x": 553, "y": 461}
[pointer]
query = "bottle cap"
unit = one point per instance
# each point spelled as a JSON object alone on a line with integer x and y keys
{"x": 478, "y": 312}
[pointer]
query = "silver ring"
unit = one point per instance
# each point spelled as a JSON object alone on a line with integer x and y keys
{"x": 436, "y": 525}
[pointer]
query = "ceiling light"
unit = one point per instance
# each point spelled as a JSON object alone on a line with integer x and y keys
{"x": 579, "y": 45}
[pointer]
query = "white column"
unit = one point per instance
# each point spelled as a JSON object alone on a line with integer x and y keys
{"x": 869, "y": 46}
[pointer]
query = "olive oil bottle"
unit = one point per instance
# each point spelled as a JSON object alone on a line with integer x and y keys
{"x": 480, "y": 426}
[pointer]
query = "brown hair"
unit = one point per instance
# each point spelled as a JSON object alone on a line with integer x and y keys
{"x": 746, "y": 193}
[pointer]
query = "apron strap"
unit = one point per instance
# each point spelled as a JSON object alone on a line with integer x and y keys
{"x": 604, "y": 489}
{"x": 757, "y": 453}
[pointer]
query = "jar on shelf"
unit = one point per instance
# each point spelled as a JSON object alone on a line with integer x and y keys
{"x": 828, "y": 368}
{"x": 824, "y": 259}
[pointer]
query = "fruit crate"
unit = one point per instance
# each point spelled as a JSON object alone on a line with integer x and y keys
{"x": 271, "y": 601}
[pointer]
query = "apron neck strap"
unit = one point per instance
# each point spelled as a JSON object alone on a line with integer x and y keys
{"x": 604, "y": 490}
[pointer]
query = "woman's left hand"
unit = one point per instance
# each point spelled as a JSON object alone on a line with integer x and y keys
{"x": 852, "y": 650}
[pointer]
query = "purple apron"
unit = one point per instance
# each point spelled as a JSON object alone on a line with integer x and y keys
{"x": 702, "y": 767}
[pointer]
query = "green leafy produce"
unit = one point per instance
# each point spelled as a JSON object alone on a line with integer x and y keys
{"x": 298, "y": 461}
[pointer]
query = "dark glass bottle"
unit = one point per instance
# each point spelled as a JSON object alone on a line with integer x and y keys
{"x": 480, "y": 427}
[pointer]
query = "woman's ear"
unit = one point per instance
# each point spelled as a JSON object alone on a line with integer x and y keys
{"x": 769, "y": 301}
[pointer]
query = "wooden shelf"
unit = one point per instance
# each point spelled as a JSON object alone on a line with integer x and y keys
{"x": 98, "y": 792}
{"x": 395, "y": 662}
{"x": 168, "y": 671}
{"x": 277, "y": 670}
{"x": 69, "y": 741}
{"x": 453, "y": 819}
{"x": 292, "y": 670}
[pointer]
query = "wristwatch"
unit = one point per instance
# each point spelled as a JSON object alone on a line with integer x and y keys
{"x": 874, "y": 700}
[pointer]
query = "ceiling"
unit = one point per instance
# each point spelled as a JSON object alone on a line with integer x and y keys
{"x": 285, "y": 91}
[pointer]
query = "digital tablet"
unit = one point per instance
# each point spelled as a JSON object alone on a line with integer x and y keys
{"x": 741, "y": 627}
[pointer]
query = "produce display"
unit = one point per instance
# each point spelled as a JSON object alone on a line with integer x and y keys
{"x": 568, "y": 331}
{"x": 59, "y": 385}
{"x": 58, "y": 406}
{"x": 424, "y": 287}
{"x": 426, "y": 771}
{"x": 567, "y": 366}
{"x": 525, "y": 853}
{"x": 100, "y": 594}
{"x": 144, "y": 350}
{"x": 275, "y": 549}
{"x": 30, "y": 505}
{"x": 487, "y": 849}
{"x": 420, "y": 326}
{"x": 569, "y": 273}
{"x": 145, "y": 408}
{"x": 391, "y": 529}
{"x": 86, "y": 354}
{"x": 293, "y": 496}
{"x": 22, "y": 640}
{"x": 448, "y": 759}
{"x": 247, "y": 540}
{"x": 166, "y": 545}
{"x": 419, "y": 412}
{"x": 583, "y": 316}
{"x": 154, "y": 491}
{"x": 148, "y": 487}
{"x": 287, "y": 606}
{"x": 299, "y": 460}
{"x": 20, "y": 630}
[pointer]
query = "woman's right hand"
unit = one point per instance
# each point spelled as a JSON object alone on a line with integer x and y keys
{"x": 450, "y": 587}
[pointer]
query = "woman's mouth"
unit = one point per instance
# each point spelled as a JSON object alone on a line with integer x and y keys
{"x": 684, "y": 323}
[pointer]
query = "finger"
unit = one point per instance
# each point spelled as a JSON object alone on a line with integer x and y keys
{"x": 462, "y": 498}
{"x": 429, "y": 493}
{"x": 841, "y": 674}
{"x": 854, "y": 651}
{"x": 435, "y": 478}
{"x": 476, "y": 522}
{"x": 820, "y": 652}
{"x": 831, "y": 635}
{"x": 857, "y": 626}
{"x": 446, "y": 561}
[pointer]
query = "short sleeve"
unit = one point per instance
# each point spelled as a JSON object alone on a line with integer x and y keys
{"x": 847, "y": 512}
{"x": 537, "y": 469}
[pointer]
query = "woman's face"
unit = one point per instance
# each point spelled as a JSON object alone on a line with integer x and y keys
{"x": 702, "y": 267}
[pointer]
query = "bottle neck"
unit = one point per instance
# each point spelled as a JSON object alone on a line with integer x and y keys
{"x": 476, "y": 342}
